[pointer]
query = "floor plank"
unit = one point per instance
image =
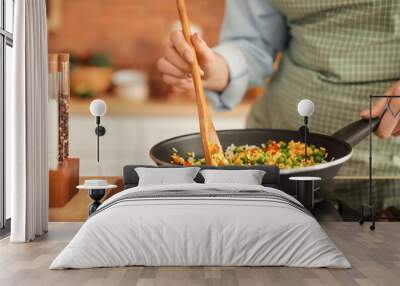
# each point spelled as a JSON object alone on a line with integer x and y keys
{"x": 375, "y": 257}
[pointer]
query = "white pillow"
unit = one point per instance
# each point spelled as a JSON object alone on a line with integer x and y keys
{"x": 166, "y": 176}
{"x": 248, "y": 177}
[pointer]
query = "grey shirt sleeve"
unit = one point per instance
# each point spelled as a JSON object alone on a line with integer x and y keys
{"x": 252, "y": 33}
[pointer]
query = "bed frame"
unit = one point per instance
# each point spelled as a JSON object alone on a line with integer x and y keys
{"x": 271, "y": 177}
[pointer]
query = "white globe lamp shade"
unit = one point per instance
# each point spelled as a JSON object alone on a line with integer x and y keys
{"x": 98, "y": 107}
{"x": 305, "y": 108}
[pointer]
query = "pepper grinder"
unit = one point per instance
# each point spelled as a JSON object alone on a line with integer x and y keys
{"x": 306, "y": 109}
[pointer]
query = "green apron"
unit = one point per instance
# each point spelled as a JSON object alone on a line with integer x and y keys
{"x": 340, "y": 52}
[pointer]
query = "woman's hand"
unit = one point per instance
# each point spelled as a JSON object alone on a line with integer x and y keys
{"x": 390, "y": 124}
{"x": 175, "y": 65}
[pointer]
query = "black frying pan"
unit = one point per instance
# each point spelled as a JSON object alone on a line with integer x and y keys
{"x": 339, "y": 147}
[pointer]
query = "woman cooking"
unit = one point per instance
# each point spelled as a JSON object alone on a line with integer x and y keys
{"x": 335, "y": 53}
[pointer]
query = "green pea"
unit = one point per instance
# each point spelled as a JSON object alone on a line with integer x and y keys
{"x": 318, "y": 158}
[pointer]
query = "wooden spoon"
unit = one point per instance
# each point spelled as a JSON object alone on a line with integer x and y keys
{"x": 209, "y": 137}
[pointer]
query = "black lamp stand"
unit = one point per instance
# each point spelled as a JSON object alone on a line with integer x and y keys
{"x": 100, "y": 131}
{"x": 305, "y": 131}
{"x": 368, "y": 210}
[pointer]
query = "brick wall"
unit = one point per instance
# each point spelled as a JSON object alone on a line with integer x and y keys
{"x": 130, "y": 31}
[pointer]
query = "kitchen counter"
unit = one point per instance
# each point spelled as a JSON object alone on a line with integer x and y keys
{"x": 120, "y": 106}
{"x": 132, "y": 128}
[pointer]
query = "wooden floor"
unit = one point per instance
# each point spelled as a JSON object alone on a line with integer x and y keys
{"x": 375, "y": 257}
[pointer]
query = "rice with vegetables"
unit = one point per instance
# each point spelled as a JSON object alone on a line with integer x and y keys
{"x": 281, "y": 154}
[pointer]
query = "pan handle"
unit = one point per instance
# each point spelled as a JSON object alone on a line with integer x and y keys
{"x": 358, "y": 131}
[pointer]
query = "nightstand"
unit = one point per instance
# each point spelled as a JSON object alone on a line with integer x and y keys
{"x": 306, "y": 190}
{"x": 97, "y": 190}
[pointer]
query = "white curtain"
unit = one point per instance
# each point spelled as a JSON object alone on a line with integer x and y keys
{"x": 26, "y": 118}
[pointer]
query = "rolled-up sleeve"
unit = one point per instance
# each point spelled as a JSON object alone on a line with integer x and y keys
{"x": 252, "y": 33}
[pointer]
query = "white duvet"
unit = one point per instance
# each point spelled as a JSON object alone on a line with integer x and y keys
{"x": 200, "y": 231}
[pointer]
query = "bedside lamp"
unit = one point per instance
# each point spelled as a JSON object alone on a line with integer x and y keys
{"x": 98, "y": 109}
{"x": 97, "y": 187}
{"x": 306, "y": 109}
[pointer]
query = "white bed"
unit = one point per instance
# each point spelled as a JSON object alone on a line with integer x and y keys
{"x": 267, "y": 229}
